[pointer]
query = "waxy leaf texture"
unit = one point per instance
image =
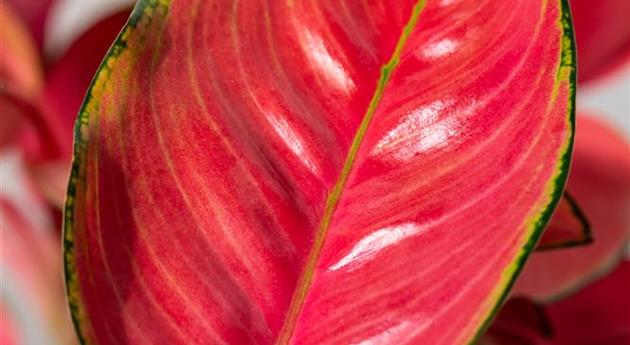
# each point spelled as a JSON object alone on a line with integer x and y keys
{"x": 309, "y": 172}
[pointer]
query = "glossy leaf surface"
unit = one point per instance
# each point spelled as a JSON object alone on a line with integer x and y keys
{"x": 315, "y": 173}
{"x": 568, "y": 227}
{"x": 600, "y": 183}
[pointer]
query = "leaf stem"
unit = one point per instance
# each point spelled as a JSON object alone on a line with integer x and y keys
{"x": 306, "y": 278}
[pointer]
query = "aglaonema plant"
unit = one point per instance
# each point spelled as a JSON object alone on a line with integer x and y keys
{"x": 600, "y": 183}
{"x": 578, "y": 295}
{"x": 315, "y": 173}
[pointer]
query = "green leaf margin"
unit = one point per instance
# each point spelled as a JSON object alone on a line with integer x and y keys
{"x": 143, "y": 10}
{"x": 586, "y": 230}
{"x": 568, "y": 60}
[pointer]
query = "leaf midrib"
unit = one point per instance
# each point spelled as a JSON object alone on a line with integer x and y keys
{"x": 306, "y": 277}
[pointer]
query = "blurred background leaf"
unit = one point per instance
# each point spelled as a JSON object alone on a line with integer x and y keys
{"x": 49, "y": 51}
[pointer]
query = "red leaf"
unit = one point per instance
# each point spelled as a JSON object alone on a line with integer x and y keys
{"x": 598, "y": 314}
{"x": 33, "y": 309}
{"x": 20, "y": 74}
{"x": 66, "y": 84}
{"x": 14, "y": 112}
{"x": 21, "y": 84}
{"x": 69, "y": 78}
{"x": 520, "y": 312}
{"x": 34, "y": 13}
{"x": 600, "y": 182}
{"x": 520, "y": 322}
{"x": 20, "y": 69}
{"x": 602, "y": 32}
{"x": 311, "y": 173}
{"x": 568, "y": 227}
{"x": 26, "y": 124}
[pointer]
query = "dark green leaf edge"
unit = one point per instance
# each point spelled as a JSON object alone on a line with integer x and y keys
{"x": 144, "y": 9}
{"x": 586, "y": 231}
{"x": 568, "y": 59}
{"x": 120, "y": 44}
